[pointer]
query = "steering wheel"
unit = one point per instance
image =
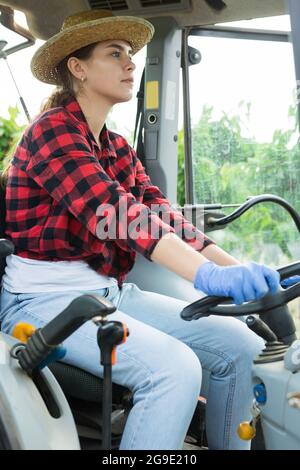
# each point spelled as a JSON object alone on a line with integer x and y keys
{"x": 223, "y": 305}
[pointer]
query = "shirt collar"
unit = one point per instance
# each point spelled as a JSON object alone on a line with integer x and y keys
{"x": 107, "y": 147}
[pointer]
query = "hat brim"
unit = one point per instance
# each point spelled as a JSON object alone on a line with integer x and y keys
{"x": 137, "y": 31}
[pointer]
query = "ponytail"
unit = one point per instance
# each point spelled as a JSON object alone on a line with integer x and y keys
{"x": 57, "y": 98}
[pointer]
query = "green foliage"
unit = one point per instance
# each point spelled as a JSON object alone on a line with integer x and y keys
{"x": 180, "y": 178}
{"x": 229, "y": 167}
{"x": 10, "y": 133}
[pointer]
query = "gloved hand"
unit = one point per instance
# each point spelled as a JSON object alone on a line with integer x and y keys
{"x": 241, "y": 282}
{"x": 290, "y": 281}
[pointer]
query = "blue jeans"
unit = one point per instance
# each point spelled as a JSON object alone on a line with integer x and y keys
{"x": 161, "y": 362}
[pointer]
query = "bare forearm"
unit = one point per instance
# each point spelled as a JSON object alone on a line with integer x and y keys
{"x": 176, "y": 255}
{"x": 219, "y": 256}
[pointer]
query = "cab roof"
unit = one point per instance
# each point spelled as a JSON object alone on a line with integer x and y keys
{"x": 45, "y": 18}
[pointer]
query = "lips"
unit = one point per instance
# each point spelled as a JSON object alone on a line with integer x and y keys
{"x": 128, "y": 83}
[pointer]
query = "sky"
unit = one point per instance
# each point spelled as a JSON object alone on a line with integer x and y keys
{"x": 263, "y": 75}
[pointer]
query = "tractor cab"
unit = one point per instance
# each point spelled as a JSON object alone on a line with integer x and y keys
{"x": 214, "y": 121}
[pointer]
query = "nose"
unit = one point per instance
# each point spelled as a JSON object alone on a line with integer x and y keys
{"x": 130, "y": 65}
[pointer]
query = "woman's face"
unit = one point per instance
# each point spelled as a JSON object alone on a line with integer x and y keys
{"x": 109, "y": 71}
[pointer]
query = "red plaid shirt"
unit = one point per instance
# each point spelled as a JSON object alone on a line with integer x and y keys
{"x": 58, "y": 179}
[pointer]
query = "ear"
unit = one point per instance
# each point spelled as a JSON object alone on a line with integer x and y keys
{"x": 75, "y": 67}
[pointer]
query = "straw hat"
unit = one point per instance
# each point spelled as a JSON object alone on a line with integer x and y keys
{"x": 85, "y": 28}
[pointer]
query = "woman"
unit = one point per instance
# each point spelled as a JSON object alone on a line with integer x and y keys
{"x": 70, "y": 181}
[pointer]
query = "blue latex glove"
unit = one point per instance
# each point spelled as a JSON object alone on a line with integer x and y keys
{"x": 290, "y": 281}
{"x": 241, "y": 282}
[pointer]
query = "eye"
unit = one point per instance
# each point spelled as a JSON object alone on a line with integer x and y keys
{"x": 119, "y": 53}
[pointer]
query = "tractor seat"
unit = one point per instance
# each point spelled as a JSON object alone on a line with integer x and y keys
{"x": 84, "y": 392}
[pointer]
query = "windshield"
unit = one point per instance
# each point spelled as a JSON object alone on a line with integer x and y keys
{"x": 245, "y": 137}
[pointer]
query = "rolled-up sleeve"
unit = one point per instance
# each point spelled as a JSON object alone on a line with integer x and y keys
{"x": 63, "y": 163}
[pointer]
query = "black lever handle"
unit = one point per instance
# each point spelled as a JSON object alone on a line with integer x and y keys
{"x": 252, "y": 201}
{"x": 261, "y": 329}
{"x": 80, "y": 310}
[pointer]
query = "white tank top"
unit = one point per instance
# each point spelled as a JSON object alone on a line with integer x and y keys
{"x": 24, "y": 275}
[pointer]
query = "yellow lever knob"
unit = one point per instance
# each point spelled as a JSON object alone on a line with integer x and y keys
{"x": 22, "y": 331}
{"x": 246, "y": 431}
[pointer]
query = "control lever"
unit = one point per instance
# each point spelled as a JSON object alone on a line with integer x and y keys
{"x": 44, "y": 340}
{"x": 110, "y": 335}
{"x": 261, "y": 329}
{"x": 274, "y": 349}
